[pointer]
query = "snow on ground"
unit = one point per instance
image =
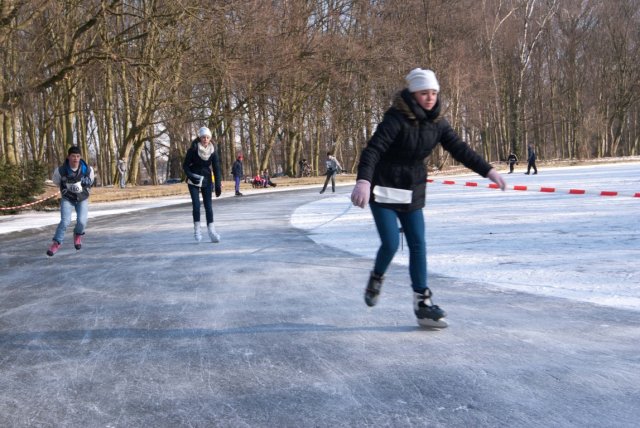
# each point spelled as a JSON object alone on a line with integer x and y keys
{"x": 583, "y": 247}
{"x": 576, "y": 246}
{"x": 35, "y": 219}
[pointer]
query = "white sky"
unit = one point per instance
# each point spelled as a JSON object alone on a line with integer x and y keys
{"x": 582, "y": 247}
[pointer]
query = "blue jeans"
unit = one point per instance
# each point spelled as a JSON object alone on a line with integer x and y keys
{"x": 413, "y": 226}
{"x": 237, "y": 180}
{"x": 82, "y": 214}
{"x": 206, "y": 199}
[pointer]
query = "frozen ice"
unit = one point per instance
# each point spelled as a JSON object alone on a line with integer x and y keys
{"x": 576, "y": 246}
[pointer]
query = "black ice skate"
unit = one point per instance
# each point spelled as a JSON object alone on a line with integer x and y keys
{"x": 428, "y": 314}
{"x": 373, "y": 289}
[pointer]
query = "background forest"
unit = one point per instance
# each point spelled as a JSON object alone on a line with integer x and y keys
{"x": 281, "y": 80}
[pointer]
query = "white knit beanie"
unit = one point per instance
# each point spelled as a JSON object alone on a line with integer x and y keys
{"x": 421, "y": 80}
{"x": 204, "y": 131}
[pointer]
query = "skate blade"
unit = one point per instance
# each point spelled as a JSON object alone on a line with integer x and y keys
{"x": 429, "y": 323}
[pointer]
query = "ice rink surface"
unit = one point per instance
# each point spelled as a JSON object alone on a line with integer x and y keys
{"x": 144, "y": 327}
{"x": 578, "y": 246}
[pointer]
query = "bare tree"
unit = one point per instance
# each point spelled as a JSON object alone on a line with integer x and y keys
{"x": 285, "y": 80}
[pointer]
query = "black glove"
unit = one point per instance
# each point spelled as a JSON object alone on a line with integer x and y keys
{"x": 218, "y": 191}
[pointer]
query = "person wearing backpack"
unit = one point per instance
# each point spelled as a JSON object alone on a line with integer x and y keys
{"x": 74, "y": 178}
{"x": 512, "y": 160}
{"x": 332, "y": 166}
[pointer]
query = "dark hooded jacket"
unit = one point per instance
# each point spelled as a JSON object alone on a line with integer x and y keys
{"x": 236, "y": 169}
{"x": 69, "y": 177}
{"x": 194, "y": 166}
{"x": 395, "y": 155}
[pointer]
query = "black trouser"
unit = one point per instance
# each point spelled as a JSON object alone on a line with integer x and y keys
{"x": 532, "y": 164}
{"x": 206, "y": 190}
{"x": 331, "y": 175}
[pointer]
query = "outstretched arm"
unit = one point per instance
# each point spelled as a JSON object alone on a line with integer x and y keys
{"x": 495, "y": 176}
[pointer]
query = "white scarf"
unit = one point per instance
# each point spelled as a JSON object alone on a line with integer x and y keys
{"x": 205, "y": 152}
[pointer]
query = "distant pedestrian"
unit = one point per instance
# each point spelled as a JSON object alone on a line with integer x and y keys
{"x": 332, "y": 168}
{"x": 512, "y": 160}
{"x": 122, "y": 172}
{"x": 238, "y": 173}
{"x": 392, "y": 180}
{"x": 305, "y": 168}
{"x": 531, "y": 160}
{"x": 75, "y": 179}
{"x": 200, "y": 163}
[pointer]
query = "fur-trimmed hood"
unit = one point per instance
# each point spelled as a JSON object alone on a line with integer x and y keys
{"x": 404, "y": 102}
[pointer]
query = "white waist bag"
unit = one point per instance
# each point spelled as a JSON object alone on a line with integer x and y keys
{"x": 391, "y": 195}
{"x": 196, "y": 183}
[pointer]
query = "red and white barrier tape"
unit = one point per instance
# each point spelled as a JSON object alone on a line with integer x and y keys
{"x": 541, "y": 189}
{"x": 29, "y": 204}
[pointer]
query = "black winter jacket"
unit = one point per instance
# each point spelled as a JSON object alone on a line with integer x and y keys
{"x": 395, "y": 154}
{"x": 236, "y": 169}
{"x": 194, "y": 166}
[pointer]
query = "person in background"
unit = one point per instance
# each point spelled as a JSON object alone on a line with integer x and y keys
{"x": 332, "y": 166}
{"x": 122, "y": 172}
{"x": 200, "y": 162}
{"x": 238, "y": 173}
{"x": 266, "y": 179}
{"x": 392, "y": 177}
{"x": 531, "y": 160}
{"x": 305, "y": 169}
{"x": 512, "y": 160}
{"x": 75, "y": 179}
{"x": 257, "y": 181}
